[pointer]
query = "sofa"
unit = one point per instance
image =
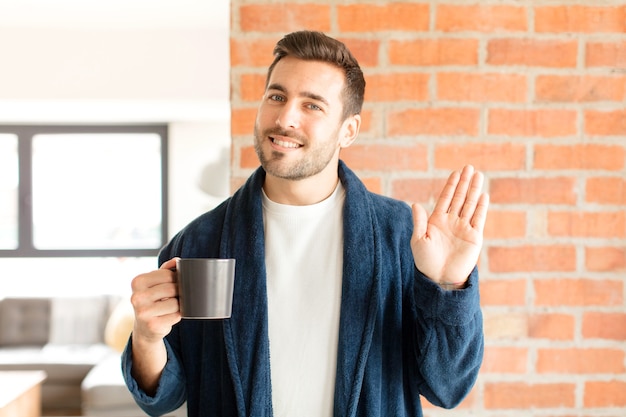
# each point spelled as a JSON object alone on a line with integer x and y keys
{"x": 77, "y": 342}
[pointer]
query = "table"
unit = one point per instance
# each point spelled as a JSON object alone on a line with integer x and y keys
{"x": 20, "y": 393}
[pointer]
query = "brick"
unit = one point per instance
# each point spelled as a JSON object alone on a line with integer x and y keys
{"x": 252, "y": 87}
{"x": 606, "y": 190}
{"x": 532, "y": 52}
{"x": 610, "y": 224}
{"x": 603, "y": 259}
{"x": 439, "y": 121}
{"x": 251, "y": 52}
{"x": 551, "y": 326}
{"x": 386, "y": 157}
{"x": 396, "y": 87}
{"x": 505, "y": 224}
{"x": 534, "y": 258}
{"x": 503, "y": 292}
{"x": 434, "y": 52}
{"x": 558, "y": 190}
{"x": 366, "y": 121}
{"x": 520, "y": 395}
{"x": 505, "y": 326}
{"x": 481, "y": 18}
{"x": 423, "y": 191}
{"x": 604, "y": 394}
{"x": 395, "y": 16}
{"x": 606, "y": 54}
{"x": 579, "y": 89}
{"x": 484, "y": 87}
{"x": 236, "y": 183}
{"x": 580, "y": 18}
{"x": 284, "y": 17}
{"x": 248, "y": 157}
{"x": 583, "y": 156}
{"x": 580, "y": 361}
{"x": 598, "y": 325}
{"x": 242, "y": 121}
{"x": 373, "y": 184}
{"x": 468, "y": 402}
{"x": 578, "y": 292}
{"x": 525, "y": 123}
{"x": 364, "y": 50}
{"x": 505, "y": 359}
{"x": 501, "y": 156}
{"x": 605, "y": 123}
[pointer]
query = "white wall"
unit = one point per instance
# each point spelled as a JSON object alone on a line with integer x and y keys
{"x": 120, "y": 61}
{"x": 76, "y": 73}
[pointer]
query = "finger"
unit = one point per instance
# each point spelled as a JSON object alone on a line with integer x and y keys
{"x": 420, "y": 221}
{"x": 460, "y": 191}
{"x": 145, "y": 295}
{"x": 473, "y": 194}
{"x": 445, "y": 198}
{"x": 480, "y": 214}
{"x": 170, "y": 264}
{"x": 152, "y": 305}
{"x": 148, "y": 280}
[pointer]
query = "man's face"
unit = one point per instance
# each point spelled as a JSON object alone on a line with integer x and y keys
{"x": 298, "y": 129}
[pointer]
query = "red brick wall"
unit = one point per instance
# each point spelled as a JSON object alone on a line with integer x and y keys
{"x": 533, "y": 94}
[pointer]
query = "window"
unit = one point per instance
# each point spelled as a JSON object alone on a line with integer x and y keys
{"x": 83, "y": 191}
{"x": 8, "y": 191}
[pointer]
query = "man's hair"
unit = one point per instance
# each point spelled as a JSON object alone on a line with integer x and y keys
{"x": 316, "y": 46}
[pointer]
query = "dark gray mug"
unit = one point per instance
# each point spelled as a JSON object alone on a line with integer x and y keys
{"x": 205, "y": 287}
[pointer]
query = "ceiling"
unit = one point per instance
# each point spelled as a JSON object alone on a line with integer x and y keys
{"x": 112, "y": 14}
{"x": 173, "y": 16}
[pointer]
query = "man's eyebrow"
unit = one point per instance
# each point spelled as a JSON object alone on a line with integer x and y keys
{"x": 277, "y": 87}
{"x": 308, "y": 94}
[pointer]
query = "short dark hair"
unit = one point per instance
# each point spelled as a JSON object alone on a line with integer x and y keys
{"x": 316, "y": 46}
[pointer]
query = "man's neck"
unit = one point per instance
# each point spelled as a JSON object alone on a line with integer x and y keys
{"x": 301, "y": 192}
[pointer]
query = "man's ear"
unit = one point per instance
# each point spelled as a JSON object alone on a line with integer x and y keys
{"x": 350, "y": 130}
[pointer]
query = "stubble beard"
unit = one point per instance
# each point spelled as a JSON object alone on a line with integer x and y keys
{"x": 314, "y": 161}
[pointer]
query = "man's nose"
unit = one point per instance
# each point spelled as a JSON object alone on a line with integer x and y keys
{"x": 289, "y": 116}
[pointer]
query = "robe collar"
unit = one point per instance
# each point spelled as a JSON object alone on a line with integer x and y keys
{"x": 246, "y": 332}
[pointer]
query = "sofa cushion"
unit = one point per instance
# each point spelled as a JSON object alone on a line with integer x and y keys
{"x": 105, "y": 394}
{"x": 78, "y": 320}
{"x": 62, "y": 336}
{"x": 104, "y": 385}
{"x": 61, "y": 363}
{"x": 65, "y": 367}
{"x": 24, "y": 321}
{"x": 120, "y": 325}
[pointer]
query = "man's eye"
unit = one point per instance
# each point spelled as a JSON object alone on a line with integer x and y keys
{"x": 276, "y": 97}
{"x": 314, "y": 107}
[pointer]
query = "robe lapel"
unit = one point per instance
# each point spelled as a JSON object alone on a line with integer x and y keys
{"x": 360, "y": 293}
{"x": 246, "y": 332}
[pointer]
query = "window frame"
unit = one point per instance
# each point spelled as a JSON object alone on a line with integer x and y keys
{"x": 25, "y": 134}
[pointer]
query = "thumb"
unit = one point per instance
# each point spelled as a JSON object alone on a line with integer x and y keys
{"x": 420, "y": 221}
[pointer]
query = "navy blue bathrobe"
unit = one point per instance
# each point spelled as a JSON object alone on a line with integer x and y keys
{"x": 400, "y": 335}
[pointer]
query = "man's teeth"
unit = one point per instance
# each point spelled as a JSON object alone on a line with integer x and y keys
{"x": 285, "y": 144}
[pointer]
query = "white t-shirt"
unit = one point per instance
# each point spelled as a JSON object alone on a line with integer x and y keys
{"x": 304, "y": 259}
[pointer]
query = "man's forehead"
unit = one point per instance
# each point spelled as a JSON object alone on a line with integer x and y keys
{"x": 297, "y": 76}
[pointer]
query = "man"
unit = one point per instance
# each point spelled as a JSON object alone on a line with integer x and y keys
{"x": 345, "y": 303}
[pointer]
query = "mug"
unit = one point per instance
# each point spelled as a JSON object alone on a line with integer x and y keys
{"x": 205, "y": 287}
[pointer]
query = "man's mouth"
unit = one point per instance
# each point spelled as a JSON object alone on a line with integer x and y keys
{"x": 284, "y": 144}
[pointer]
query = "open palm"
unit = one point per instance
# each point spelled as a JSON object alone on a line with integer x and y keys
{"x": 447, "y": 244}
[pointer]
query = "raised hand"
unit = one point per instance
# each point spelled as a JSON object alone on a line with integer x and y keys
{"x": 447, "y": 244}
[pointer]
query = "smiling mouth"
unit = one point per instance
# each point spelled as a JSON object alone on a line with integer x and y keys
{"x": 284, "y": 144}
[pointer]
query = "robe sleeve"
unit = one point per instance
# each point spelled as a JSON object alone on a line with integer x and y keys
{"x": 170, "y": 393}
{"x": 451, "y": 341}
